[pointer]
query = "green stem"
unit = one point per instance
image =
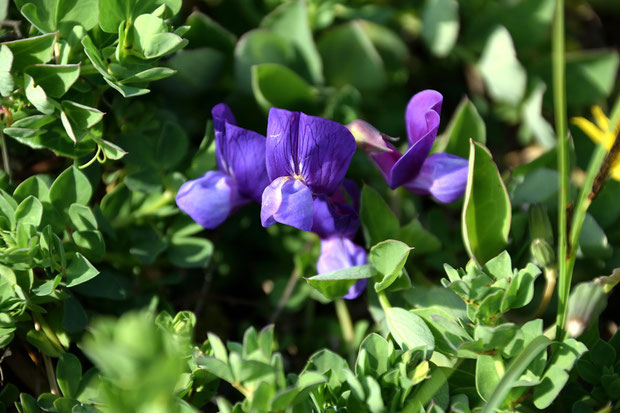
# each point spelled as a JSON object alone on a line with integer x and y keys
{"x": 559, "y": 100}
{"x": 51, "y": 377}
{"x": 383, "y": 300}
{"x": 5, "y": 157}
{"x": 346, "y": 325}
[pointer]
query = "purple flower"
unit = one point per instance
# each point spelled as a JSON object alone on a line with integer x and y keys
{"x": 442, "y": 175}
{"x": 241, "y": 178}
{"x": 339, "y": 252}
{"x": 307, "y": 158}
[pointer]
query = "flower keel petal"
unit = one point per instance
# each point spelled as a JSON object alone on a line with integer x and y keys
{"x": 287, "y": 201}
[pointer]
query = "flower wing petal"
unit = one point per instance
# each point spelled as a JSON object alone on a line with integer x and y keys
{"x": 246, "y": 159}
{"x": 209, "y": 200}
{"x": 443, "y": 175}
{"x": 222, "y": 115}
{"x": 338, "y": 253}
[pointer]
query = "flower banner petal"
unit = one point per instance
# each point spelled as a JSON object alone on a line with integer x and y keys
{"x": 443, "y": 175}
{"x": 409, "y": 165}
{"x": 287, "y": 201}
{"x": 209, "y": 200}
{"x": 315, "y": 149}
{"x": 416, "y": 119}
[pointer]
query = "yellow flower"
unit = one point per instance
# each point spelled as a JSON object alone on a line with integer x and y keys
{"x": 601, "y": 133}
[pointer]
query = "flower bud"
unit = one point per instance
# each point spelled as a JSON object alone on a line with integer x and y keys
{"x": 368, "y": 138}
{"x": 542, "y": 253}
{"x": 540, "y": 226}
{"x": 586, "y": 303}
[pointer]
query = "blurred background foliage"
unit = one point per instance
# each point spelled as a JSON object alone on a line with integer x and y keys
{"x": 343, "y": 60}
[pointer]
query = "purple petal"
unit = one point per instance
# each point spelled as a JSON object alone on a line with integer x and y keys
{"x": 246, "y": 160}
{"x": 338, "y": 253}
{"x": 385, "y": 161}
{"x": 209, "y": 199}
{"x": 315, "y": 149}
{"x": 416, "y": 117}
{"x": 443, "y": 175}
{"x": 408, "y": 166}
{"x": 222, "y": 115}
{"x": 287, "y": 201}
{"x": 333, "y": 218}
{"x": 356, "y": 289}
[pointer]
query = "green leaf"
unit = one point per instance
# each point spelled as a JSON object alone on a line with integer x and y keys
{"x": 28, "y": 404}
{"x": 59, "y": 15}
{"x": 440, "y": 25}
{"x": 95, "y": 57}
{"x": 291, "y": 21}
{"x": 486, "y": 207}
{"x": 90, "y": 243}
{"x": 7, "y": 83}
{"x": 418, "y": 237}
{"x": 206, "y": 32}
{"x": 79, "y": 271}
{"x": 378, "y": 221}
{"x": 363, "y": 68}
{"x": 260, "y": 46}
{"x": 190, "y": 252}
{"x": 30, "y": 211}
{"x": 336, "y": 284}
{"x": 56, "y": 80}
{"x": 593, "y": 241}
{"x": 465, "y": 124}
{"x": 377, "y": 356}
{"x": 70, "y": 187}
{"x": 40, "y": 341}
{"x": 409, "y": 330}
{"x": 388, "y": 257}
{"x": 277, "y": 85}
{"x": 152, "y": 39}
{"x": 111, "y": 150}
{"x": 79, "y": 118}
{"x": 32, "y": 50}
{"x": 113, "y": 12}
{"x": 69, "y": 374}
{"x": 531, "y": 113}
{"x": 487, "y": 376}
{"x": 126, "y": 91}
{"x": 514, "y": 371}
{"x": 150, "y": 75}
{"x": 74, "y": 318}
{"x": 37, "y": 96}
{"x": 172, "y": 145}
{"x": 520, "y": 291}
{"x": 590, "y": 76}
{"x": 82, "y": 218}
{"x": 47, "y": 287}
{"x": 502, "y": 73}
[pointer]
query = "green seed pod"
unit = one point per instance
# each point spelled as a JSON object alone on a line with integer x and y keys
{"x": 586, "y": 303}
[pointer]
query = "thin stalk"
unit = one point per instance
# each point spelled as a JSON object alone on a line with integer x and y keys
{"x": 51, "y": 377}
{"x": 5, "y": 157}
{"x": 550, "y": 279}
{"x": 346, "y": 325}
{"x": 559, "y": 103}
{"x": 288, "y": 290}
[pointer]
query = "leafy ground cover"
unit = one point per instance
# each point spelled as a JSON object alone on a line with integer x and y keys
{"x": 309, "y": 206}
